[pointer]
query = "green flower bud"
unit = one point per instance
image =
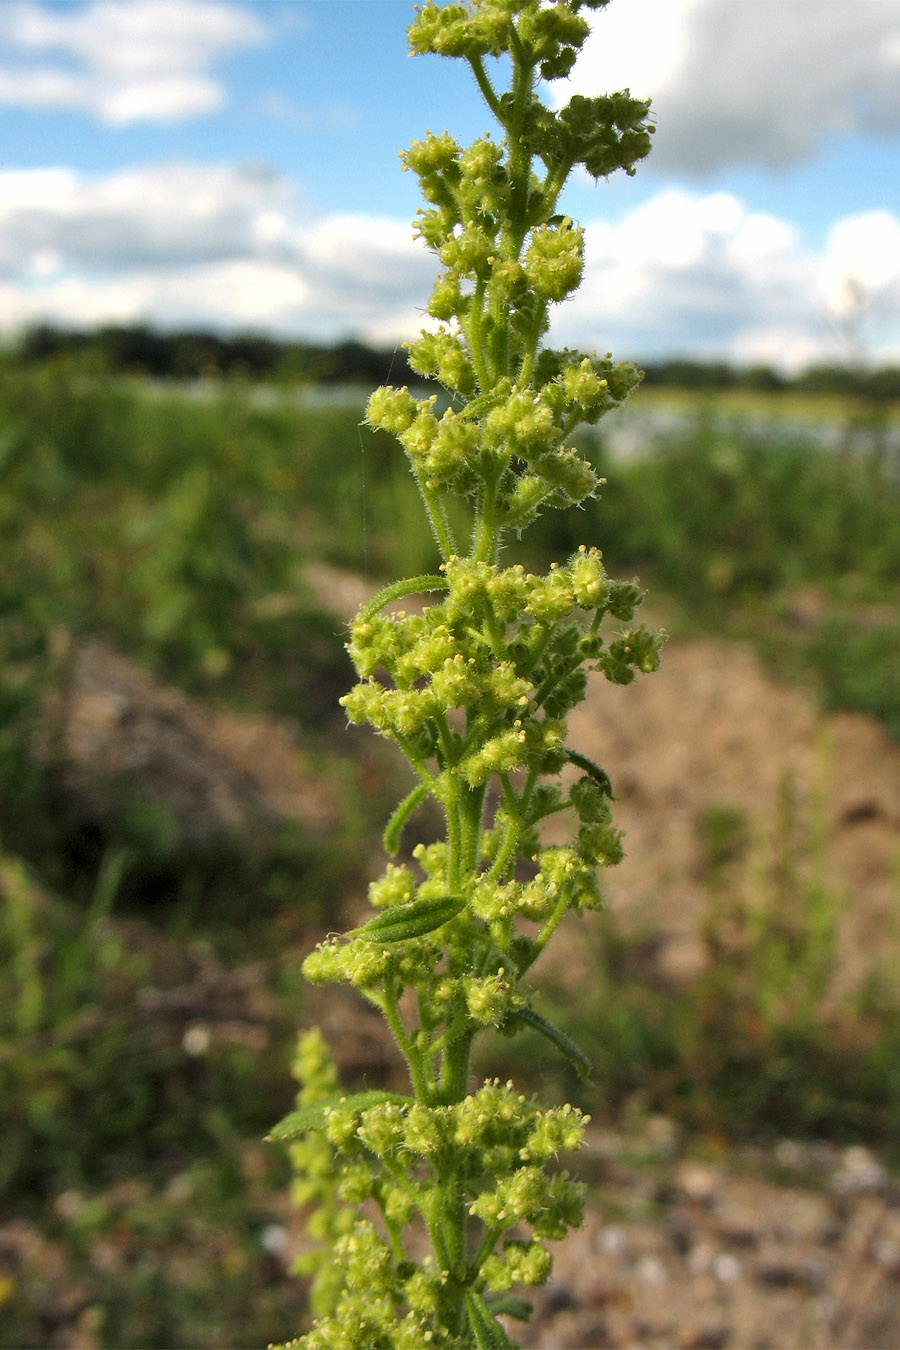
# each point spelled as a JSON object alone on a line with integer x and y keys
{"x": 446, "y": 357}
{"x": 505, "y": 688}
{"x": 313, "y": 1067}
{"x": 559, "y": 865}
{"x": 391, "y": 409}
{"x": 624, "y": 599}
{"x": 422, "y": 1294}
{"x": 324, "y": 963}
{"x": 500, "y": 754}
{"x": 418, "y": 436}
{"x": 365, "y": 963}
{"x": 469, "y": 252}
{"x": 554, "y": 260}
{"x": 405, "y": 711}
{"x": 381, "y": 1128}
{"x": 455, "y": 444}
{"x": 537, "y": 898}
{"x": 480, "y": 161}
{"x": 522, "y": 1263}
{"x": 445, "y": 301}
{"x": 489, "y": 998}
{"x": 412, "y": 1333}
{"x": 589, "y": 800}
{"x": 456, "y": 683}
{"x": 429, "y": 653}
{"x": 444, "y": 29}
{"x": 568, "y": 473}
{"x": 551, "y": 598}
{"x": 637, "y": 649}
{"x": 399, "y": 1207}
{"x": 493, "y": 902}
{"x": 395, "y": 887}
{"x": 582, "y": 385}
{"x": 525, "y": 423}
{"x": 600, "y": 844}
{"x": 432, "y": 858}
{"x": 340, "y": 1125}
{"x": 366, "y": 1259}
{"x": 425, "y": 1130}
{"x": 563, "y": 1207}
{"x": 521, "y": 505}
{"x": 555, "y": 1130}
{"x": 588, "y": 578}
{"x": 521, "y": 1196}
{"x": 436, "y": 154}
{"x": 434, "y": 227}
{"x": 357, "y": 1184}
{"x": 508, "y": 278}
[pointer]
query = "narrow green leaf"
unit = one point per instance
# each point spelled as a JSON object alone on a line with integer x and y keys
{"x": 511, "y": 1305}
{"x": 488, "y": 1333}
{"x": 398, "y": 589}
{"x": 559, "y": 1038}
{"x": 411, "y": 920}
{"x": 402, "y": 814}
{"x": 313, "y": 1117}
{"x": 599, "y": 775}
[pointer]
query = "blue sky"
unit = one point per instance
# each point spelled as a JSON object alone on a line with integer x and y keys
{"x": 235, "y": 165}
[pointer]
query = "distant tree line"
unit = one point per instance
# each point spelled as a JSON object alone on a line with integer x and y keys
{"x": 142, "y": 350}
{"x": 878, "y": 382}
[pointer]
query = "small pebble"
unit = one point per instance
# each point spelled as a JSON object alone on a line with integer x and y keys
{"x": 650, "y": 1270}
{"x": 274, "y": 1239}
{"x": 726, "y": 1268}
{"x": 859, "y": 1172}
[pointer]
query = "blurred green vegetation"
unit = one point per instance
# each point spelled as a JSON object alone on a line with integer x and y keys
{"x": 180, "y": 526}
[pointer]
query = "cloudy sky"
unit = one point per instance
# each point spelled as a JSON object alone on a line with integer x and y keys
{"x": 234, "y": 165}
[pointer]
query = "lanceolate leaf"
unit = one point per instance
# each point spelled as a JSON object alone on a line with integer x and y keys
{"x": 510, "y": 1305}
{"x": 313, "y": 1117}
{"x": 398, "y": 589}
{"x": 402, "y": 814}
{"x": 488, "y": 1333}
{"x": 559, "y": 1039}
{"x": 600, "y": 776}
{"x": 412, "y": 920}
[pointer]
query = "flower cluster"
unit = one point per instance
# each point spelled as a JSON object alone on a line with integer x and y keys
{"x": 475, "y": 687}
{"x": 397, "y": 1155}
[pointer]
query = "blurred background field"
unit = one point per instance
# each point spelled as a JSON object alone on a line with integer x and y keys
{"x": 183, "y": 812}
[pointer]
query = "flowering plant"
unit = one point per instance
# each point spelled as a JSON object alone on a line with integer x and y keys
{"x": 475, "y": 690}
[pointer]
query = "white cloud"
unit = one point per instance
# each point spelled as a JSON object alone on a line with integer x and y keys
{"x": 122, "y": 61}
{"x": 748, "y": 81}
{"x": 161, "y": 215}
{"x": 185, "y": 244}
{"x": 704, "y": 275}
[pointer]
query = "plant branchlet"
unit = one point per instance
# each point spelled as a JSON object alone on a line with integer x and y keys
{"x": 475, "y": 690}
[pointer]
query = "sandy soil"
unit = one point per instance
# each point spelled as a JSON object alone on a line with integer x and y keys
{"x": 714, "y": 730}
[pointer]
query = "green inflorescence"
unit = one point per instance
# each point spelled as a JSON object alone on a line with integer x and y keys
{"x": 475, "y": 689}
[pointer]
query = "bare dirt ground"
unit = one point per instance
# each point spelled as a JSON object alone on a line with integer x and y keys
{"x": 714, "y": 730}
{"x": 798, "y": 1249}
